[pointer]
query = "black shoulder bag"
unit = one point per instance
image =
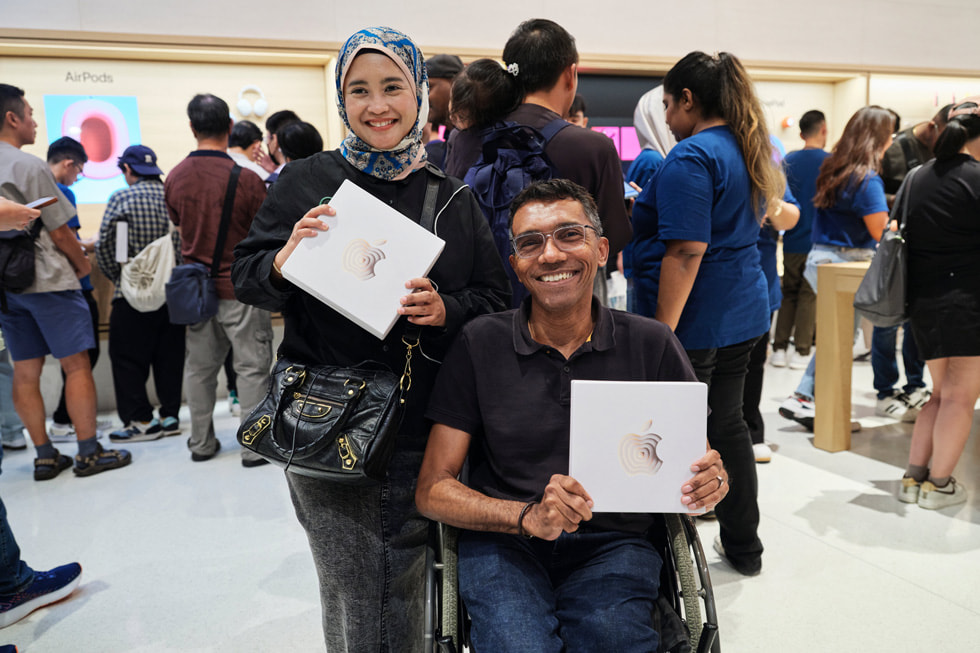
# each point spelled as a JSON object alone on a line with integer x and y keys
{"x": 191, "y": 294}
{"x": 881, "y": 297}
{"x": 331, "y": 422}
{"x": 17, "y": 261}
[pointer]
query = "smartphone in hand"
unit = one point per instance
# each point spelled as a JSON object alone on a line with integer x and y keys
{"x": 40, "y": 203}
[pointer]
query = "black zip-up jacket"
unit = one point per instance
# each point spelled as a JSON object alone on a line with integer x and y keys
{"x": 469, "y": 273}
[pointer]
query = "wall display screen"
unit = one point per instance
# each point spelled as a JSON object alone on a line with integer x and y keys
{"x": 105, "y": 125}
{"x": 610, "y": 101}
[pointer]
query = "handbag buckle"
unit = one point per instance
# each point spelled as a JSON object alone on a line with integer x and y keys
{"x": 347, "y": 456}
{"x": 293, "y": 376}
{"x": 256, "y": 429}
{"x": 354, "y": 391}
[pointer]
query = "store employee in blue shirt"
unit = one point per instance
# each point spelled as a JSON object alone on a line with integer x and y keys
{"x": 697, "y": 266}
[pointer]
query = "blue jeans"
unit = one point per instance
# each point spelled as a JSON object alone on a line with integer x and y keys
{"x": 819, "y": 255}
{"x": 15, "y": 575}
{"x": 884, "y": 363}
{"x": 10, "y": 423}
{"x": 586, "y": 591}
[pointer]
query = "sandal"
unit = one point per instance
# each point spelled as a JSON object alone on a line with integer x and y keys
{"x": 46, "y": 469}
{"x": 102, "y": 460}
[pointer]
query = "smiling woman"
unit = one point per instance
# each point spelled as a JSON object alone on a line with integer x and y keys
{"x": 368, "y": 541}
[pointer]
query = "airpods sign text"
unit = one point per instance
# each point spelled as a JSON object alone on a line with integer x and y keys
{"x": 95, "y": 78}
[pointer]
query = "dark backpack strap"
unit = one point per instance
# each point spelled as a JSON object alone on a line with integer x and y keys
{"x": 219, "y": 244}
{"x": 552, "y": 128}
{"x": 428, "y": 221}
{"x": 911, "y": 158}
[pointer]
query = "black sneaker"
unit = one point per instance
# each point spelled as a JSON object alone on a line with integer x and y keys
{"x": 47, "y": 587}
{"x": 751, "y": 567}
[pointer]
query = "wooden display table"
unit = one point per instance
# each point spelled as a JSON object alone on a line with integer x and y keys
{"x": 836, "y": 285}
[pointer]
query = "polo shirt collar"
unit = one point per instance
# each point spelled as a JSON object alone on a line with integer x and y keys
{"x": 603, "y": 333}
{"x": 217, "y": 153}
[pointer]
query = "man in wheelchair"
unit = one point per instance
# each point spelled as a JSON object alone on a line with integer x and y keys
{"x": 538, "y": 571}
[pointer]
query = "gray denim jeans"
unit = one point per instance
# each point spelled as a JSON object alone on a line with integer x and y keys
{"x": 368, "y": 545}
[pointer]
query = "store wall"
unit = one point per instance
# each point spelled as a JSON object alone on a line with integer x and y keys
{"x": 935, "y": 34}
{"x": 162, "y": 91}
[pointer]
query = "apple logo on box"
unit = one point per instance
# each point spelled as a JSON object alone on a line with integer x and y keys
{"x": 360, "y": 257}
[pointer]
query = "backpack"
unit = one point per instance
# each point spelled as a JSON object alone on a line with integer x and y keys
{"x": 144, "y": 277}
{"x": 513, "y": 156}
{"x": 17, "y": 260}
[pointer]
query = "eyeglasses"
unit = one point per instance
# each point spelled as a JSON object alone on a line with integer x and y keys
{"x": 566, "y": 238}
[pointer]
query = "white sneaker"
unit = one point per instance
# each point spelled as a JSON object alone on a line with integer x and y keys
{"x": 799, "y": 409}
{"x": 763, "y": 452}
{"x": 894, "y": 406}
{"x": 909, "y": 492}
{"x": 778, "y": 358}
{"x": 799, "y": 361}
{"x": 934, "y": 498}
{"x": 915, "y": 401}
{"x": 61, "y": 432}
{"x": 14, "y": 441}
{"x": 234, "y": 407}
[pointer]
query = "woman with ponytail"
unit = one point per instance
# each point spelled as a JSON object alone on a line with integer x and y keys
{"x": 943, "y": 235}
{"x": 851, "y": 216}
{"x": 696, "y": 263}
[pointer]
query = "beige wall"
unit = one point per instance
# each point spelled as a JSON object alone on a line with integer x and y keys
{"x": 928, "y": 34}
{"x": 918, "y": 98}
{"x": 163, "y": 90}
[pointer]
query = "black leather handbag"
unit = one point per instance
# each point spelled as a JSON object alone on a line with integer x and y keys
{"x": 337, "y": 423}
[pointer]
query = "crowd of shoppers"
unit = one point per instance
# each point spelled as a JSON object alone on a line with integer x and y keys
{"x": 700, "y": 251}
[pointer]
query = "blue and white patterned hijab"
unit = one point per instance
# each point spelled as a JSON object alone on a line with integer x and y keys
{"x": 409, "y": 154}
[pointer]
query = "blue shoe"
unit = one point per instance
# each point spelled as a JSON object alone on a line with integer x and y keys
{"x": 47, "y": 587}
{"x": 138, "y": 432}
{"x": 171, "y": 426}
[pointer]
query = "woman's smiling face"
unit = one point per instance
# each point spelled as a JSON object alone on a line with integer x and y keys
{"x": 380, "y": 101}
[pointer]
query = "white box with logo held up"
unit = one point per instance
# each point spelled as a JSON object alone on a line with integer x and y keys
{"x": 359, "y": 266}
{"x": 632, "y": 443}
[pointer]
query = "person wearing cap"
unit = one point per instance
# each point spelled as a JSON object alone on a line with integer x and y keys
{"x": 50, "y": 316}
{"x": 442, "y": 69}
{"x": 139, "y": 342}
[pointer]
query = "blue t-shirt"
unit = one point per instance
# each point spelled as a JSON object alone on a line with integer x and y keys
{"x": 843, "y": 224}
{"x": 702, "y": 193}
{"x": 641, "y": 171}
{"x": 802, "y": 168}
{"x": 768, "y": 237}
{"x": 644, "y": 166}
{"x": 74, "y": 224}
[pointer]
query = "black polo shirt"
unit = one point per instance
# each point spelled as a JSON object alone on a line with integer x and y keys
{"x": 512, "y": 395}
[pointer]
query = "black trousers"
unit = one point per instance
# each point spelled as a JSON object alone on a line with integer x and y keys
{"x": 61, "y": 412}
{"x": 752, "y": 394}
{"x": 138, "y": 342}
{"x": 723, "y": 370}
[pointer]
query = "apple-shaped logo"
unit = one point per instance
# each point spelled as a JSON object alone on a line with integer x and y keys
{"x": 360, "y": 257}
{"x": 638, "y": 452}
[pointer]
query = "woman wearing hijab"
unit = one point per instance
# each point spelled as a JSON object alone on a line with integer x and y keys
{"x": 655, "y": 140}
{"x": 653, "y": 134}
{"x": 368, "y": 541}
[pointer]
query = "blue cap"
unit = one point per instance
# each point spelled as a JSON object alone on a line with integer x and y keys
{"x": 141, "y": 159}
